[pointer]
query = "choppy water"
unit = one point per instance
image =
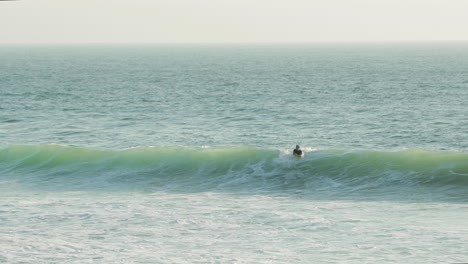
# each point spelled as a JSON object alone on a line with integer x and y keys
{"x": 181, "y": 154}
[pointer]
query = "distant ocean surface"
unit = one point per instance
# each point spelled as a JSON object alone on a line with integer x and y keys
{"x": 182, "y": 153}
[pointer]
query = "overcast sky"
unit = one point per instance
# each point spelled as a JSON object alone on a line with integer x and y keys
{"x": 227, "y": 21}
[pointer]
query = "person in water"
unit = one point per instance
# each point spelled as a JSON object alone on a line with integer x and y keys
{"x": 297, "y": 151}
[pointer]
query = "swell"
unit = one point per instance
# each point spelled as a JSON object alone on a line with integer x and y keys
{"x": 234, "y": 168}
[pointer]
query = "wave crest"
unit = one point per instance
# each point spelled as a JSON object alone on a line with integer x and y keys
{"x": 234, "y": 168}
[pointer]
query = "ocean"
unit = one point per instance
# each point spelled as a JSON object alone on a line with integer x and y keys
{"x": 182, "y": 153}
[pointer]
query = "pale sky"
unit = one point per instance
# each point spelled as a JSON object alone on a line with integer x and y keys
{"x": 231, "y": 21}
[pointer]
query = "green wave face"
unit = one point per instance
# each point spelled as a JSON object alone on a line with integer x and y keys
{"x": 235, "y": 169}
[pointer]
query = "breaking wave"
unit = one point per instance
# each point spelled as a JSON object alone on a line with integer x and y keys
{"x": 234, "y": 169}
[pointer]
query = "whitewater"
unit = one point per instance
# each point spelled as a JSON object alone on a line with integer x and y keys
{"x": 182, "y": 153}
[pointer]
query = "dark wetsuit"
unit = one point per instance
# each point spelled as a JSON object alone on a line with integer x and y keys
{"x": 297, "y": 152}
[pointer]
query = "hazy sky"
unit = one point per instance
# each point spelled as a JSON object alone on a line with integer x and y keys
{"x": 182, "y": 21}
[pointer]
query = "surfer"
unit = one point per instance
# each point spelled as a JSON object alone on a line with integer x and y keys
{"x": 297, "y": 151}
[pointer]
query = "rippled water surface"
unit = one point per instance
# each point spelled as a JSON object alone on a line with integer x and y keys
{"x": 182, "y": 154}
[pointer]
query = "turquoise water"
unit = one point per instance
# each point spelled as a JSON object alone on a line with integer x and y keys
{"x": 182, "y": 153}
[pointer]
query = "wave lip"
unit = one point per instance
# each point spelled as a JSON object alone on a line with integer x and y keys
{"x": 235, "y": 168}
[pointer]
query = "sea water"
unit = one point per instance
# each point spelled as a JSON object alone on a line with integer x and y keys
{"x": 182, "y": 153}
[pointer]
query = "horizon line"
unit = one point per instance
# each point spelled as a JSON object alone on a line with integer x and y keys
{"x": 242, "y": 42}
